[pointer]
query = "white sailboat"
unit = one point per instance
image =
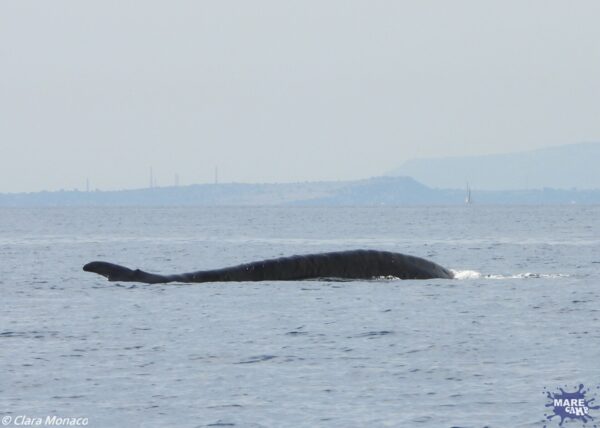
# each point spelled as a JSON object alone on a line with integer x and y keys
{"x": 468, "y": 197}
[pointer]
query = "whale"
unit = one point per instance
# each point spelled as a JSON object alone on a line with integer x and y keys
{"x": 340, "y": 265}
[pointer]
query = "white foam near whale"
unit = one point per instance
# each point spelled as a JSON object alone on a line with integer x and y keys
{"x": 472, "y": 274}
{"x": 466, "y": 274}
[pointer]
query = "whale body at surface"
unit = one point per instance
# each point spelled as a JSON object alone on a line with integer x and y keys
{"x": 354, "y": 264}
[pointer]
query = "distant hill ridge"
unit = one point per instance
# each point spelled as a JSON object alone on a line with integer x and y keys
{"x": 560, "y": 167}
{"x": 372, "y": 191}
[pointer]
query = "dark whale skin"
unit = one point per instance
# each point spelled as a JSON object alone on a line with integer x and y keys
{"x": 354, "y": 264}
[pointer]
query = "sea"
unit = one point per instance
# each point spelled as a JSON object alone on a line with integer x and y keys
{"x": 487, "y": 349}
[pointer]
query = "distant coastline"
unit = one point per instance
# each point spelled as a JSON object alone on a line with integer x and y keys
{"x": 372, "y": 191}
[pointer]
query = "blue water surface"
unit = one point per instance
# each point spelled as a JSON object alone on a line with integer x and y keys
{"x": 473, "y": 352}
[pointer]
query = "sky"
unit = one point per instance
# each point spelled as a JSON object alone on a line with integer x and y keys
{"x": 100, "y": 92}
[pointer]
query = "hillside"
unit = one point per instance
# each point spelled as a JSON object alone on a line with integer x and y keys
{"x": 561, "y": 167}
{"x": 373, "y": 191}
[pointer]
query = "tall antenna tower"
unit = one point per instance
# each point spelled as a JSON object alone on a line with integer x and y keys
{"x": 151, "y": 178}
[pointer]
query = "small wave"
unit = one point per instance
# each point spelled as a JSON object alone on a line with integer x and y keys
{"x": 372, "y": 334}
{"x": 257, "y": 359}
{"x": 528, "y": 275}
{"x": 472, "y": 274}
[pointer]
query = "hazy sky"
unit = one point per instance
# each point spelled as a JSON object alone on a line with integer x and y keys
{"x": 284, "y": 90}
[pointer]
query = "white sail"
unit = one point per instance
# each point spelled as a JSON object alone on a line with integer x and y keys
{"x": 468, "y": 197}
